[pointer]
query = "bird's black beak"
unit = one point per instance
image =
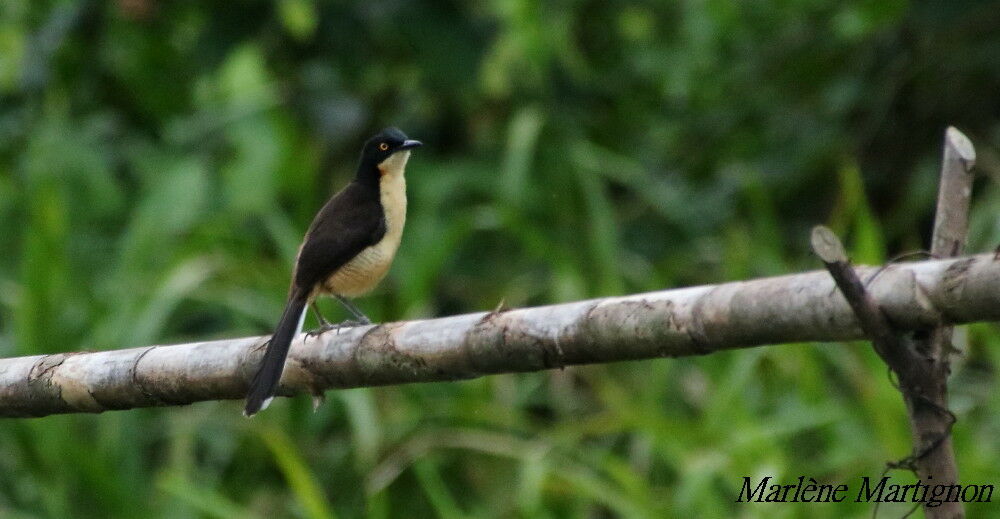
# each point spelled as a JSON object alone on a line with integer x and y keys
{"x": 410, "y": 144}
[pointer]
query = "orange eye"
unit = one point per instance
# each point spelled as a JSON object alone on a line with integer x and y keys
{"x": 383, "y": 146}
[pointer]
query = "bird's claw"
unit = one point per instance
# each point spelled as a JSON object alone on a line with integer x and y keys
{"x": 318, "y": 331}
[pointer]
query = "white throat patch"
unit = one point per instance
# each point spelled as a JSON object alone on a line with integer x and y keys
{"x": 395, "y": 164}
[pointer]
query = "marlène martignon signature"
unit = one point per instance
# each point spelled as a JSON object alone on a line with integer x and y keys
{"x": 808, "y": 490}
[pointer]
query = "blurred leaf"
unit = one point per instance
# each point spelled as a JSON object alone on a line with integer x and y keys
{"x": 430, "y": 479}
{"x": 201, "y": 498}
{"x": 297, "y": 474}
{"x": 866, "y": 239}
{"x": 176, "y": 286}
{"x": 522, "y": 137}
{"x": 604, "y": 245}
{"x": 299, "y": 17}
{"x": 363, "y": 416}
{"x": 250, "y": 183}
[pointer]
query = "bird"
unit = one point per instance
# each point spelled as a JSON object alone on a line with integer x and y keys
{"x": 347, "y": 250}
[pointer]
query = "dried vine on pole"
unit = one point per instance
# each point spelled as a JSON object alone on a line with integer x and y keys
{"x": 920, "y": 360}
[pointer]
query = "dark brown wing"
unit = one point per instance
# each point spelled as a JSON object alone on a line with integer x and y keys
{"x": 350, "y": 221}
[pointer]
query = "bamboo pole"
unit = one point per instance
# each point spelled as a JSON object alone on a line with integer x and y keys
{"x": 672, "y": 323}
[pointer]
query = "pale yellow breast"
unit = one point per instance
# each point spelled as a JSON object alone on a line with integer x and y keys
{"x": 362, "y": 273}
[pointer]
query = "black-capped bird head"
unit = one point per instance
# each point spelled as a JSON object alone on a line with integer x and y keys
{"x": 385, "y": 153}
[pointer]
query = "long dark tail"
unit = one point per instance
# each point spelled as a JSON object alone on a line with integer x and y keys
{"x": 265, "y": 382}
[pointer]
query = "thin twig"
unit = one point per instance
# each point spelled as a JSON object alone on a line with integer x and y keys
{"x": 885, "y": 340}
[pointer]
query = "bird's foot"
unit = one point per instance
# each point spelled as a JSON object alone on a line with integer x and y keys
{"x": 350, "y": 323}
{"x": 326, "y": 327}
{"x": 313, "y": 333}
{"x": 323, "y": 328}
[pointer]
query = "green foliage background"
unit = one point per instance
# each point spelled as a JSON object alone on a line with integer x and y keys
{"x": 160, "y": 160}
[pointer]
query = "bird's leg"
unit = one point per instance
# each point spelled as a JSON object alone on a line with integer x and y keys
{"x": 358, "y": 314}
{"x": 324, "y": 325}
